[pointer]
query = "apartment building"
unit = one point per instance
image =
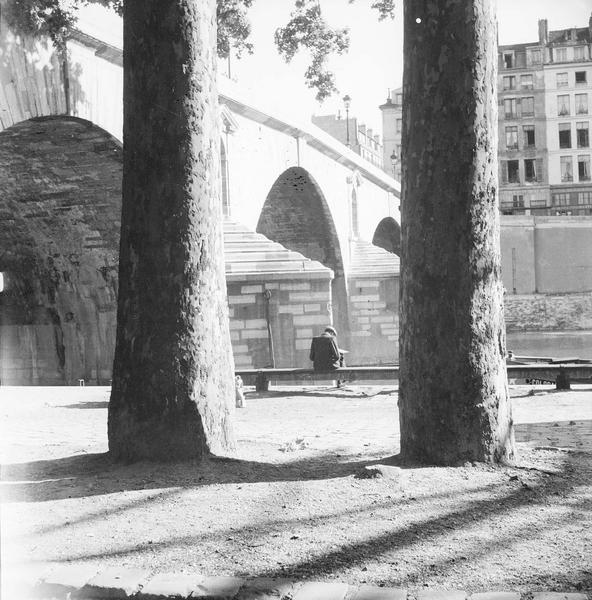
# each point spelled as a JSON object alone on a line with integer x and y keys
{"x": 545, "y": 103}
{"x": 392, "y": 129}
{"x": 544, "y": 91}
{"x": 350, "y": 132}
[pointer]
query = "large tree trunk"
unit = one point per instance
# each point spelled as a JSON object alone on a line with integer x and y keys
{"x": 453, "y": 399}
{"x": 173, "y": 384}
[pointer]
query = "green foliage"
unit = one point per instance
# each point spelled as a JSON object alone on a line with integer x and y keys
{"x": 56, "y": 18}
{"x": 53, "y": 18}
{"x": 385, "y": 8}
{"x": 234, "y": 27}
{"x": 306, "y": 29}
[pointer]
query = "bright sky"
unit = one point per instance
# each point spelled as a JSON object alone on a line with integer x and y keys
{"x": 374, "y": 62}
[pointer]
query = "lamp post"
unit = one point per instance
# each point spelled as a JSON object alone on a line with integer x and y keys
{"x": 346, "y": 103}
{"x": 394, "y": 162}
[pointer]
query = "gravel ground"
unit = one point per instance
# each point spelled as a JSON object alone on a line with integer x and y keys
{"x": 291, "y": 504}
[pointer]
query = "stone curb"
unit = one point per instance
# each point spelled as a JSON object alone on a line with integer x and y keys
{"x": 69, "y": 582}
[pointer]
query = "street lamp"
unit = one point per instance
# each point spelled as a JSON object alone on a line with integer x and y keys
{"x": 394, "y": 162}
{"x": 346, "y": 103}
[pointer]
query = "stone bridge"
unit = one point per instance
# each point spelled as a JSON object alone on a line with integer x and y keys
{"x": 300, "y": 211}
{"x": 311, "y": 230}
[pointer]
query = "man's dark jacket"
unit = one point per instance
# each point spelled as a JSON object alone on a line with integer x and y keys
{"x": 324, "y": 352}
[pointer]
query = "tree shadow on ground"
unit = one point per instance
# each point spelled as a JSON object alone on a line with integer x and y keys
{"x": 378, "y": 547}
{"x": 95, "y": 474}
{"x": 84, "y": 405}
{"x": 409, "y": 533}
{"x": 341, "y": 393}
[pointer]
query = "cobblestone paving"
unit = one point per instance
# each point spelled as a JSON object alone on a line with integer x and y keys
{"x": 90, "y": 583}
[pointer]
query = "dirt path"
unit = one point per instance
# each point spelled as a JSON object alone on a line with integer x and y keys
{"x": 291, "y": 505}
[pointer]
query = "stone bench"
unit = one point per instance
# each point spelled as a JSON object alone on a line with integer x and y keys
{"x": 560, "y": 374}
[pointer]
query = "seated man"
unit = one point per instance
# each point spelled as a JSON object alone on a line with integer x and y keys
{"x": 324, "y": 352}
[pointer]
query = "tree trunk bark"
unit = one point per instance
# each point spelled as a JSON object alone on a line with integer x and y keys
{"x": 453, "y": 398}
{"x": 173, "y": 375}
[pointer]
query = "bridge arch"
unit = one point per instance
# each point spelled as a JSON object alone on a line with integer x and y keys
{"x": 296, "y": 215}
{"x": 388, "y": 236}
{"x": 59, "y": 239}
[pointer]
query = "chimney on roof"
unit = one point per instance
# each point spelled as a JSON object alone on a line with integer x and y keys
{"x": 543, "y": 32}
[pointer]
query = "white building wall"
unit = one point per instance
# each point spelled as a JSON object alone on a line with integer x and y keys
{"x": 553, "y": 119}
{"x": 258, "y": 155}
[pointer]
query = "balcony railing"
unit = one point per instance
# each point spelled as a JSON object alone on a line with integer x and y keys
{"x": 545, "y": 209}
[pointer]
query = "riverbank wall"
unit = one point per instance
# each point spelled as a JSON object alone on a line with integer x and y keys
{"x": 548, "y": 312}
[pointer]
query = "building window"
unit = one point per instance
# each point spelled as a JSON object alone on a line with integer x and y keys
{"x": 509, "y": 82}
{"x": 580, "y": 77}
{"x": 518, "y": 201}
{"x": 580, "y": 53}
{"x": 582, "y": 135}
{"x": 1, "y": 281}
{"x": 513, "y": 171}
{"x": 527, "y": 106}
{"x": 534, "y": 56}
{"x": 508, "y": 60}
{"x": 399, "y": 99}
{"x": 581, "y": 104}
{"x": 529, "y": 140}
{"x": 565, "y": 135}
{"x": 562, "y": 80}
{"x": 530, "y": 169}
{"x": 584, "y": 197}
{"x": 563, "y": 105}
{"x": 584, "y": 167}
{"x": 566, "y": 168}
{"x": 526, "y": 82}
{"x": 560, "y": 54}
{"x": 399, "y": 125}
{"x": 560, "y": 199}
{"x": 510, "y": 108}
{"x": 512, "y": 138}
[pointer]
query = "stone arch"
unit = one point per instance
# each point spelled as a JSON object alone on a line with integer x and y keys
{"x": 388, "y": 236}
{"x": 296, "y": 215}
{"x": 59, "y": 242}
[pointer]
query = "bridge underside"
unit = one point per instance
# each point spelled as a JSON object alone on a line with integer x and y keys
{"x": 61, "y": 181}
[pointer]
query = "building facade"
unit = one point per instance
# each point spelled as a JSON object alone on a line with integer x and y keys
{"x": 392, "y": 129}
{"x": 545, "y": 103}
{"x": 544, "y": 91}
{"x": 350, "y": 132}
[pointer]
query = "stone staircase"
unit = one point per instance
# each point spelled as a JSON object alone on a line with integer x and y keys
{"x": 247, "y": 252}
{"x": 369, "y": 260}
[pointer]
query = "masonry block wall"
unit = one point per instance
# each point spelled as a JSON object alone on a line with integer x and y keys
{"x": 298, "y": 309}
{"x": 374, "y": 318}
{"x": 548, "y": 312}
